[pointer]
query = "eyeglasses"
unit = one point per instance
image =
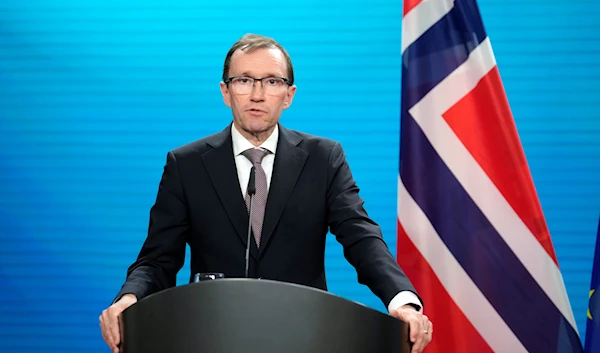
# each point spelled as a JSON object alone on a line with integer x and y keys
{"x": 271, "y": 85}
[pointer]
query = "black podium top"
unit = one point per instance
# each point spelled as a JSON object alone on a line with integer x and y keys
{"x": 248, "y": 315}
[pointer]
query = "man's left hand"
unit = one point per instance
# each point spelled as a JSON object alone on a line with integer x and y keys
{"x": 421, "y": 329}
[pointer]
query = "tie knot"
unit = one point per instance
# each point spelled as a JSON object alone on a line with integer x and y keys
{"x": 255, "y": 155}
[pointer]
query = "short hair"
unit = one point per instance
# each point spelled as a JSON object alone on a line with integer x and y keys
{"x": 251, "y": 42}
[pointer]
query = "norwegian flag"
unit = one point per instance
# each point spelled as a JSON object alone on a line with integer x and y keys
{"x": 471, "y": 232}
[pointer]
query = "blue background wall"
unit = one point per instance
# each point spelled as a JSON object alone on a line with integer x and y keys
{"x": 93, "y": 94}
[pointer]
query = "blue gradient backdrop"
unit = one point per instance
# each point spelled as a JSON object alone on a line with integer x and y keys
{"x": 94, "y": 93}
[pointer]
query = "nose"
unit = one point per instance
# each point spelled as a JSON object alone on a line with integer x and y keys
{"x": 257, "y": 93}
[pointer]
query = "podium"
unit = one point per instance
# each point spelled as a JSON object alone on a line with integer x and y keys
{"x": 252, "y": 316}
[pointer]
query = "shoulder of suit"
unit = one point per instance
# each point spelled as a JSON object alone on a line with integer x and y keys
{"x": 198, "y": 146}
{"x": 313, "y": 141}
{"x": 203, "y": 144}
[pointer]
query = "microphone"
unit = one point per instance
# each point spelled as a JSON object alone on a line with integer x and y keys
{"x": 251, "y": 192}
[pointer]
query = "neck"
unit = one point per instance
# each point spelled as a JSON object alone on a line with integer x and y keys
{"x": 255, "y": 138}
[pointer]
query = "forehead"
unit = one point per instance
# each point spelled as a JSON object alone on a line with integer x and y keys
{"x": 259, "y": 63}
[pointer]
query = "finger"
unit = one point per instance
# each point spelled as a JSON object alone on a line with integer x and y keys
{"x": 119, "y": 329}
{"x": 424, "y": 337}
{"x": 422, "y": 334}
{"x": 415, "y": 328}
{"x": 114, "y": 330}
{"x": 105, "y": 331}
{"x": 429, "y": 330}
{"x": 113, "y": 343}
{"x": 420, "y": 343}
{"x": 104, "y": 337}
{"x": 107, "y": 324}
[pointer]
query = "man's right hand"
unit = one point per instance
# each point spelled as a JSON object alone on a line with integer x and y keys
{"x": 109, "y": 321}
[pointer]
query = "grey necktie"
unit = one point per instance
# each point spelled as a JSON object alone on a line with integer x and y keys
{"x": 259, "y": 201}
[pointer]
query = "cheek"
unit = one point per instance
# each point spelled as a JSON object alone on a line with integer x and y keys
{"x": 237, "y": 103}
{"x": 281, "y": 103}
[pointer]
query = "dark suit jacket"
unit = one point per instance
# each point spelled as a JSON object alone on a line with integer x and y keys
{"x": 312, "y": 190}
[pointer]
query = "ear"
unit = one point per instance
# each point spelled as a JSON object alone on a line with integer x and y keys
{"x": 225, "y": 93}
{"x": 289, "y": 97}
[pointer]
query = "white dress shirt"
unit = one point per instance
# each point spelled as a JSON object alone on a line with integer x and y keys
{"x": 243, "y": 165}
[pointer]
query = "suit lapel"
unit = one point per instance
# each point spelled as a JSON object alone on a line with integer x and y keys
{"x": 289, "y": 161}
{"x": 220, "y": 165}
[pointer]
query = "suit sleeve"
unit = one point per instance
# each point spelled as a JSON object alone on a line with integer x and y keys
{"x": 163, "y": 252}
{"x": 360, "y": 236}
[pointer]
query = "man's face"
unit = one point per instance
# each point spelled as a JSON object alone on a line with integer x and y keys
{"x": 257, "y": 109}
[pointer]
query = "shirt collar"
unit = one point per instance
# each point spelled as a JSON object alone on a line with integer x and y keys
{"x": 240, "y": 144}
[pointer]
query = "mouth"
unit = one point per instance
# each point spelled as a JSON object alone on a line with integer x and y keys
{"x": 256, "y": 111}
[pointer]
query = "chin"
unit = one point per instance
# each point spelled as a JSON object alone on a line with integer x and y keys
{"x": 256, "y": 124}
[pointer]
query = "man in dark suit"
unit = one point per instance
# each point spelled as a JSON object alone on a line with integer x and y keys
{"x": 304, "y": 188}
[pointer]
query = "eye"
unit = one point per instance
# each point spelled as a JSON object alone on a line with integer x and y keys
{"x": 273, "y": 81}
{"x": 243, "y": 80}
